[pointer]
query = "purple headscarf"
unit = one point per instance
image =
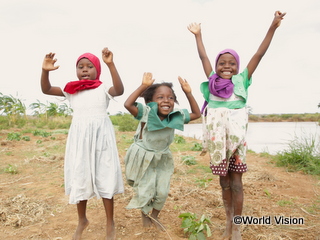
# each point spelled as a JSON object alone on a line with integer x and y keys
{"x": 218, "y": 86}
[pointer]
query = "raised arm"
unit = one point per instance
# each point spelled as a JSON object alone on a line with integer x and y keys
{"x": 195, "y": 111}
{"x": 47, "y": 66}
{"x": 117, "y": 89}
{"x": 195, "y": 28}
{"x": 253, "y": 63}
{"x": 129, "y": 104}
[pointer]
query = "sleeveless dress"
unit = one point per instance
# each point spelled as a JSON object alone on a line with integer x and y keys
{"x": 92, "y": 166}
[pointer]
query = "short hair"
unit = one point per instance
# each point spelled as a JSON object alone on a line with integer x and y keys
{"x": 149, "y": 92}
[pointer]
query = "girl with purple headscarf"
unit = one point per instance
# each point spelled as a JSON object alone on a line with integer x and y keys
{"x": 91, "y": 165}
{"x": 225, "y": 119}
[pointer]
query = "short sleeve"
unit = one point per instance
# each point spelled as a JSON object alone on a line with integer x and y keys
{"x": 186, "y": 115}
{"x": 141, "y": 110}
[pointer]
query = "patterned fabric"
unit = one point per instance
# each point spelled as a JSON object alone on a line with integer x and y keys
{"x": 224, "y": 132}
{"x": 222, "y": 169}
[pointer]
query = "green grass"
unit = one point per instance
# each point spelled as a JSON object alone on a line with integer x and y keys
{"x": 302, "y": 154}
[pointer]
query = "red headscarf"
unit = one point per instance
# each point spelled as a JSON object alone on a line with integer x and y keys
{"x": 74, "y": 86}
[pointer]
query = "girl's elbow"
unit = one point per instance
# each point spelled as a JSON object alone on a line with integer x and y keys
{"x": 127, "y": 105}
{"x": 195, "y": 116}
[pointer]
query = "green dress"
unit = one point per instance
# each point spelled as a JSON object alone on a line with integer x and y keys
{"x": 149, "y": 162}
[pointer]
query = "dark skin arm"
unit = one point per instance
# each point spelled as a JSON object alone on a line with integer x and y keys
{"x": 195, "y": 111}
{"x": 47, "y": 66}
{"x": 117, "y": 89}
{"x": 195, "y": 28}
{"x": 147, "y": 81}
{"x": 129, "y": 104}
{"x": 255, "y": 60}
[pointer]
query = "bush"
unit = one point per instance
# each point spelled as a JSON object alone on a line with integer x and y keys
{"x": 125, "y": 122}
{"x": 195, "y": 228}
{"x": 302, "y": 155}
{"x": 189, "y": 160}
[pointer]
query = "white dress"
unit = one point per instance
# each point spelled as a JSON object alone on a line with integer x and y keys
{"x": 92, "y": 166}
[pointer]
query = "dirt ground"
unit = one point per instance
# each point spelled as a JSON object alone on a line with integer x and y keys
{"x": 33, "y": 204}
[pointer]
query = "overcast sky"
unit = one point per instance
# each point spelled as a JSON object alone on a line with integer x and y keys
{"x": 152, "y": 36}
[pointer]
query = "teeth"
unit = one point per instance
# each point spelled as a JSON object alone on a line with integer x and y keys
{"x": 227, "y": 73}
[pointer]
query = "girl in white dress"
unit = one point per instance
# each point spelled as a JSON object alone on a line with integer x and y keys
{"x": 92, "y": 166}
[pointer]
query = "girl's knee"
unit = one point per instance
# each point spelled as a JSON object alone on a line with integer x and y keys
{"x": 236, "y": 186}
{"x": 224, "y": 182}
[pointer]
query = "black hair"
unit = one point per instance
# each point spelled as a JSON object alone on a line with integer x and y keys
{"x": 149, "y": 92}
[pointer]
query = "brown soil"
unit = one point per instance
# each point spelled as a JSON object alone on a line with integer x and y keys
{"x": 33, "y": 204}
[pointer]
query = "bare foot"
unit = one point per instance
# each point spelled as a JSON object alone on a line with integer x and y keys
{"x": 236, "y": 234}
{"x": 81, "y": 226}
{"x": 228, "y": 231}
{"x": 111, "y": 232}
{"x": 157, "y": 223}
{"x": 146, "y": 221}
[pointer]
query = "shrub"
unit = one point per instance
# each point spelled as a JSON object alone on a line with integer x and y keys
{"x": 302, "y": 155}
{"x": 125, "y": 122}
{"x": 14, "y": 136}
{"x": 195, "y": 228}
{"x": 196, "y": 147}
{"x": 179, "y": 139}
{"x": 189, "y": 160}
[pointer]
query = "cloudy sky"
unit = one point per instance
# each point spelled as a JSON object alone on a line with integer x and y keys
{"x": 152, "y": 36}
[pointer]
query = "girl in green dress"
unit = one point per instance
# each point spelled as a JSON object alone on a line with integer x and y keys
{"x": 149, "y": 162}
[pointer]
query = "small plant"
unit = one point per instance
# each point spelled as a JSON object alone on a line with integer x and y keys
{"x": 267, "y": 193}
{"x": 14, "y": 136}
{"x": 179, "y": 139}
{"x": 283, "y": 203}
{"x": 41, "y": 133}
{"x": 189, "y": 160}
{"x": 196, "y": 147}
{"x": 203, "y": 182}
{"x": 25, "y": 138}
{"x": 196, "y": 229}
{"x": 11, "y": 169}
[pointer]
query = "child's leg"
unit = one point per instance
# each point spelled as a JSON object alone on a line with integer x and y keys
{"x": 237, "y": 201}
{"x": 146, "y": 220}
{"x": 82, "y": 219}
{"x": 108, "y": 207}
{"x": 155, "y": 220}
{"x": 227, "y": 203}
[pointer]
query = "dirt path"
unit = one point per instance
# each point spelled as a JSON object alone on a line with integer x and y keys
{"x": 33, "y": 204}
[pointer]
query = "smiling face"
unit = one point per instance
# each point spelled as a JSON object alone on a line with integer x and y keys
{"x": 227, "y": 66}
{"x": 165, "y": 98}
{"x": 86, "y": 70}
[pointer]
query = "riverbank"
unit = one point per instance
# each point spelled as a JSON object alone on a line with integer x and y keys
{"x": 33, "y": 204}
{"x": 303, "y": 117}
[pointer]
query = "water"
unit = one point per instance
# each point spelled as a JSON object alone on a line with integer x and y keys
{"x": 270, "y": 137}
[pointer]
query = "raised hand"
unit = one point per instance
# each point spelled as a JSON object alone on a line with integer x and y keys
{"x": 48, "y": 62}
{"x": 184, "y": 85}
{"x": 195, "y": 28}
{"x": 107, "y": 56}
{"x": 278, "y": 16}
{"x": 147, "y": 79}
